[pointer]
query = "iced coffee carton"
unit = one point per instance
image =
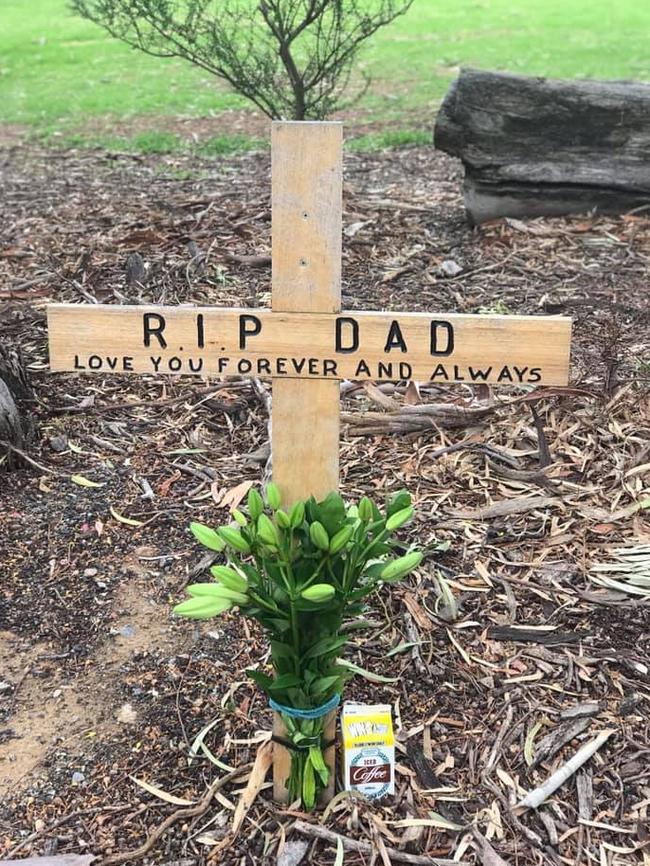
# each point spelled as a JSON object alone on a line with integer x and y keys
{"x": 368, "y": 749}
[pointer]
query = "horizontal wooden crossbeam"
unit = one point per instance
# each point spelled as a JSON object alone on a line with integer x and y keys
{"x": 212, "y": 341}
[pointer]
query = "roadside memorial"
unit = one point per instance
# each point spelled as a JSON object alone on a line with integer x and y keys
{"x": 306, "y": 345}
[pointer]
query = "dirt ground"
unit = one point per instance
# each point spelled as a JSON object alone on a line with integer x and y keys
{"x": 99, "y": 685}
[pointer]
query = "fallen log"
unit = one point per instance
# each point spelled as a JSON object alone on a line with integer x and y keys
{"x": 536, "y": 146}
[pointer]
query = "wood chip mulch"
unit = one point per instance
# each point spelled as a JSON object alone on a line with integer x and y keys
{"x": 501, "y": 658}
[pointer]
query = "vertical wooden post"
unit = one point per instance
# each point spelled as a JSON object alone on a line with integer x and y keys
{"x": 306, "y": 248}
{"x": 306, "y": 236}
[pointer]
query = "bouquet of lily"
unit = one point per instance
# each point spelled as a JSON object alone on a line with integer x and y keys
{"x": 300, "y": 573}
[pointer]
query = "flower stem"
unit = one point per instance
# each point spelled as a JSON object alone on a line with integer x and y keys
{"x": 296, "y": 638}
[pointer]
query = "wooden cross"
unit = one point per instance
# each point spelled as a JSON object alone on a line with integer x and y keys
{"x": 304, "y": 343}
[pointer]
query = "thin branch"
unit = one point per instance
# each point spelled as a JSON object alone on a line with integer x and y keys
{"x": 536, "y": 797}
{"x": 320, "y": 832}
{"x": 4, "y": 443}
{"x": 189, "y": 812}
{"x": 289, "y": 57}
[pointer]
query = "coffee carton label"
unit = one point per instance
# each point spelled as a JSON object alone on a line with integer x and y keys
{"x": 368, "y": 749}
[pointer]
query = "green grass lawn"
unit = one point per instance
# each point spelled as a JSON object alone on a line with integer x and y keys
{"x": 58, "y": 72}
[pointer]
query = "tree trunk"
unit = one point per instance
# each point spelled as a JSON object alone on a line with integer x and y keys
{"x": 15, "y": 427}
{"x": 535, "y": 146}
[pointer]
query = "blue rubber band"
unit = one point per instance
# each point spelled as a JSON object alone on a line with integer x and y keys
{"x": 316, "y": 713}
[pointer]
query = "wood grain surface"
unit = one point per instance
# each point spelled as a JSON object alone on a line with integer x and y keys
{"x": 296, "y": 345}
{"x": 307, "y": 179}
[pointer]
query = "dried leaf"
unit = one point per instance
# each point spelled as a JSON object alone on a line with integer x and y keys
{"x": 461, "y": 651}
{"x": 231, "y": 498}
{"x": 507, "y": 779}
{"x": 129, "y": 521}
{"x": 602, "y": 514}
{"x": 351, "y": 230}
{"x": 412, "y": 394}
{"x": 214, "y": 760}
{"x": 530, "y": 739}
{"x": 446, "y": 604}
{"x": 86, "y": 482}
{"x": 178, "y": 451}
{"x": 142, "y": 236}
{"x": 263, "y": 761}
{"x": 210, "y": 838}
{"x": 417, "y": 612}
{"x": 340, "y": 852}
{"x": 198, "y": 740}
{"x": 434, "y": 820}
{"x": 631, "y": 566}
{"x": 603, "y": 528}
{"x": 162, "y": 795}
{"x": 164, "y": 486}
{"x": 225, "y": 802}
{"x": 402, "y": 647}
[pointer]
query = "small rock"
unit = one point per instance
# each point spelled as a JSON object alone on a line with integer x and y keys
{"x": 56, "y": 693}
{"x": 629, "y": 703}
{"x": 293, "y": 852}
{"x": 450, "y": 268}
{"x": 78, "y": 778}
{"x": 50, "y": 849}
{"x": 59, "y": 444}
{"x": 127, "y": 631}
{"x": 136, "y": 270}
{"x": 90, "y": 572}
{"x": 127, "y": 715}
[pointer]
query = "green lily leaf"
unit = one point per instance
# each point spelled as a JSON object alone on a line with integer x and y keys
{"x": 321, "y": 685}
{"x": 324, "y": 646}
{"x": 308, "y": 786}
{"x": 374, "y": 571}
{"x": 280, "y": 625}
{"x": 281, "y": 650}
{"x": 286, "y": 681}
{"x": 367, "y": 675}
{"x": 263, "y": 680}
